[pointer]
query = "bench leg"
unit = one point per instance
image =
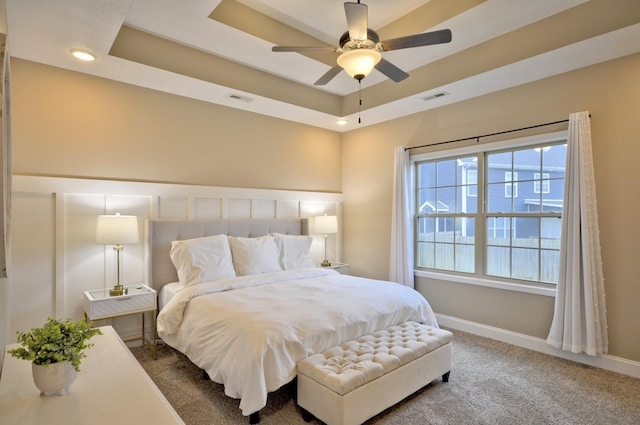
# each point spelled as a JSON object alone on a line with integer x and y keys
{"x": 254, "y": 418}
{"x": 306, "y": 415}
{"x": 445, "y": 377}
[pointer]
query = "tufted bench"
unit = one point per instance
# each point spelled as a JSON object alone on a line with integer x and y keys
{"x": 350, "y": 383}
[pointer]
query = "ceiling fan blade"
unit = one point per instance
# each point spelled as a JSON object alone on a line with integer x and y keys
{"x": 357, "y": 20}
{"x": 328, "y": 76}
{"x": 425, "y": 39}
{"x": 391, "y": 71}
{"x": 303, "y": 49}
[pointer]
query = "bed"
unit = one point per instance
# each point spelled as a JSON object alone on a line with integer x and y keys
{"x": 246, "y": 320}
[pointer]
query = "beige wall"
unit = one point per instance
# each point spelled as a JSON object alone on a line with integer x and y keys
{"x": 611, "y": 92}
{"x": 75, "y": 125}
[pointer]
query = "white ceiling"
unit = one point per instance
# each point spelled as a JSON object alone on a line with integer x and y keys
{"x": 44, "y": 31}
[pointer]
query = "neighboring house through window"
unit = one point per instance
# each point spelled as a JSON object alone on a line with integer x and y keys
{"x": 511, "y": 184}
{"x": 541, "y": 183}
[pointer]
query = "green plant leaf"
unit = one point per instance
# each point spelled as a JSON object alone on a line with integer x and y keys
{"x": 56, "y": 341}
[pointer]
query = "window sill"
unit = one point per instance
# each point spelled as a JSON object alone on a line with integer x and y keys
{"x": 518, "y": 287}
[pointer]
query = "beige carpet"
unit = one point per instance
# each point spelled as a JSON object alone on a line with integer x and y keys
{"x": 491, "y": 383}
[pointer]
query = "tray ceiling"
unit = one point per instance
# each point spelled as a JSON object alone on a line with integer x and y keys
{"x": 220, "y": 51}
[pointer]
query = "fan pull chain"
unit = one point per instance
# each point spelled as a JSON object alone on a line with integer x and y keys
{"x": 359, "y": 99}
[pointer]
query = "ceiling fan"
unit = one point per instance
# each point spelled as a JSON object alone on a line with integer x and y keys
{"x": 360, "y": 47}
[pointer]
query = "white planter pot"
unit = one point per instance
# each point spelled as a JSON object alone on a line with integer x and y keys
{"x": 54, "y": 377}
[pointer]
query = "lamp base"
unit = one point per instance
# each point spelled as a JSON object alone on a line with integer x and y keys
{"x": 325, "y": 263}
{"x": 118, "y": 290}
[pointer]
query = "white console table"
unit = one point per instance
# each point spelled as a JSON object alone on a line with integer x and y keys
{"x": 111, "y": 388}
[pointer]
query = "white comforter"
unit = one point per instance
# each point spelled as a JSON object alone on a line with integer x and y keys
{"x": 249, "y": 332}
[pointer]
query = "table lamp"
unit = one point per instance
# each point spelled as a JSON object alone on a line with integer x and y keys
{"x": 117, "y": 230}
{"x": 326, "y": 225}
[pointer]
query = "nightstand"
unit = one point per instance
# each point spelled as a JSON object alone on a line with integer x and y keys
{"x": 341, "y": 268}
{"x": 140, "y": 299}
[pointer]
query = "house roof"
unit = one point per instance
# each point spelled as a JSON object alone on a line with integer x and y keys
{"x": 220, "y": 51}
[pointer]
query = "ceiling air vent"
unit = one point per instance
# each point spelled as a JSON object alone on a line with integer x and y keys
{"x": 436, "y": 95}
{"x": 241, "y": 98}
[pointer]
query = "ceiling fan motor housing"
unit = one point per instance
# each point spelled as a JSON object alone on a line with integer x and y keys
{"x": 346, "y": 43}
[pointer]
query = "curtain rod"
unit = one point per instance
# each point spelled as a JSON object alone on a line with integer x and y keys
{"x": 477, "y": 138}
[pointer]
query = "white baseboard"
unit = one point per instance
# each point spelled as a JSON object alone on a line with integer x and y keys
{"x": 612, "y": 363}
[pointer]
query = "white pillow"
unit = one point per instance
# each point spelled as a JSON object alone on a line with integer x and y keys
{"x": 254, "y": 255}
{"x": 295, "y": 251}
{"x": 202, "y": 259}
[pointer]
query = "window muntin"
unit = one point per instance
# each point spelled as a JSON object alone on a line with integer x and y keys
{"x": 447, "y": 243}
{"x": 519, "y": 210}
{"x": 472, "y": 182}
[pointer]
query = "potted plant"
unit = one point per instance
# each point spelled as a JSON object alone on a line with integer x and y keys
{"x": 55, "y": 351}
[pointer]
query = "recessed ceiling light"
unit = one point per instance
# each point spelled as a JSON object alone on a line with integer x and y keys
{"x": 246, "y": 99}
{"x": 342, "y": 121}
{"x": 83, "y": 55}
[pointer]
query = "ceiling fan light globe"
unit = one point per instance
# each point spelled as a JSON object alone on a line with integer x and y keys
{"x": 359, "y": 63}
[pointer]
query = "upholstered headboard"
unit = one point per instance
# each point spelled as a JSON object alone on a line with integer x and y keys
{"x": 161, "y": 232}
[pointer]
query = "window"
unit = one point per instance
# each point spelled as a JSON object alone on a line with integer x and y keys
{"x": 493, "y": 213}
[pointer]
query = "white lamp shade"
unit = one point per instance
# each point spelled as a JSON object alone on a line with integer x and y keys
{"x": 117, "y": 229}
{"x": 359, "y": 62}
{"x": 326, "y": 224}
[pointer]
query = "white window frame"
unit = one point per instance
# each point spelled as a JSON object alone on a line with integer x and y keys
{"x": 474, "y": 279}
